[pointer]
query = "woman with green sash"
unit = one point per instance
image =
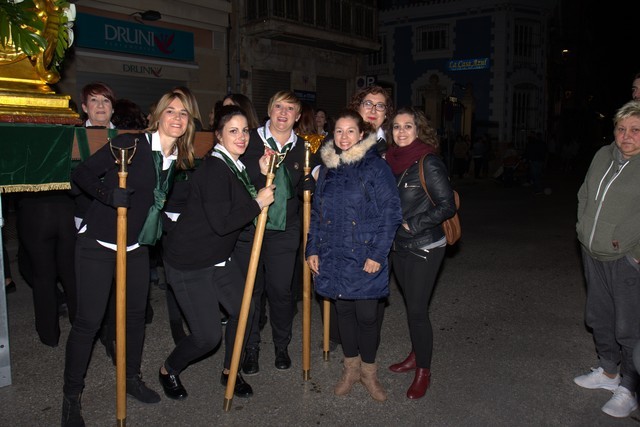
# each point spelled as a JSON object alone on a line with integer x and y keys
{"x": 166, "y": 145}
{"x": 198, "y": 250}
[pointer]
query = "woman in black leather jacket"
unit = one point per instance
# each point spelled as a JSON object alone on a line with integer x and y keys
{"x": 419, "y": 245}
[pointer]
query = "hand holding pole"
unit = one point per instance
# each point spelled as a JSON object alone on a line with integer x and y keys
{"x": 123, "y": 158}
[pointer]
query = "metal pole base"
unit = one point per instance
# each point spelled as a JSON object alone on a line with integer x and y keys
{"x": 122, "y": 423}
{"x": 325, "y": 356}
{"x": 226, "y": 406}
{"x": 306, "y": 375}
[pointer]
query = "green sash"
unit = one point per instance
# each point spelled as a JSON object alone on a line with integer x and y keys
{"x": 242, "y": 175}
{"x": 284, "y": 189}
{"x": 152, "y": 228}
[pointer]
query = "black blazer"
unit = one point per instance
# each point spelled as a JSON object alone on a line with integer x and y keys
{"x": 98, "y": 175}
{"x": 217, "y": 208}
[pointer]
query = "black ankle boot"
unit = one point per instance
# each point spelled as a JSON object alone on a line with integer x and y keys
{"x": 72, "y": 412}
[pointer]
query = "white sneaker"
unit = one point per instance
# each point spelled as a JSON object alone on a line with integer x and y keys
{"x": 622, "y": 404}
{"x": 597, "y": 379}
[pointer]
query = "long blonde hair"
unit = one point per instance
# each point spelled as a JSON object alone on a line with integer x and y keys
{"x": 186, "y": 155}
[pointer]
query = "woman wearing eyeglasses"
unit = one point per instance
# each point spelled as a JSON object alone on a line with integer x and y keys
{"x": 374, "y": 105}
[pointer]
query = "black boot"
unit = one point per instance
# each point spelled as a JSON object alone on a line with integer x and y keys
{"x": 72, "y": 412}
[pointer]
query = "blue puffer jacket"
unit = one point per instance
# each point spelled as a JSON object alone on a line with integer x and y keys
{"x": 355, "y": 214}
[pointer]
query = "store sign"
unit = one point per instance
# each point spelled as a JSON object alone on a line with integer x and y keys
{"x": 143, "y": 70}
{"x": 468, "y": 64}
{"x": 365, "y": 81}
{"x": 110, "y": 64}
{"x": 96, "y": 32}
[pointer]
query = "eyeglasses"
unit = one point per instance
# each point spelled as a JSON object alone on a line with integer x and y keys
{"x": 370, "y": 105}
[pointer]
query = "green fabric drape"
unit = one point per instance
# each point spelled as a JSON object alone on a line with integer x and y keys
{"x": 277, "y": 219}
{"x": 243, "y": 176}
{"x": 152, "y": 229}
{"x": 35, "y": 157}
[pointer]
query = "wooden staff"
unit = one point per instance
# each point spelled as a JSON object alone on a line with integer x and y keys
{"x": 248, "y": 292}
{"x": 326, "y": 318}
{"x": 123, "y": 158}
{"x": 306, "y": 274}
{"x": 312, "y": 145}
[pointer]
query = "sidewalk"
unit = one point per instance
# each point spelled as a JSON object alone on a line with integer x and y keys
{"x": 507, "y": 315}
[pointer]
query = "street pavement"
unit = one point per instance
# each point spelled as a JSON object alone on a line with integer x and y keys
{"x": 509, "y": 334}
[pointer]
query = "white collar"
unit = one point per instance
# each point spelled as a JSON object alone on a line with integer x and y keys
{"x": 89, "y": 124}
{"x": 222, "y": 148}
{"x": 157, "y": 146}
{"x": 380, "y": 134}
{"x": 167, "y": 161}
{"x": 265, "y": 134}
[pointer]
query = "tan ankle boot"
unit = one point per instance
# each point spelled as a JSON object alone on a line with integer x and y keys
{"x": 369, "y": 378}
{"x": 350, "y": 376}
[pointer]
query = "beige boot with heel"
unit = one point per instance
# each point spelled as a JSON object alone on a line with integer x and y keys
{"x": 350, "y": 376}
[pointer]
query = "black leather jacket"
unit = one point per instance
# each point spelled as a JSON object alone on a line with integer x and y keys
{"x": 421, "y": 215}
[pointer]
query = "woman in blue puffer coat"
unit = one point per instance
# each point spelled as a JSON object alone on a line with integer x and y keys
{"x": 355, "y": 214}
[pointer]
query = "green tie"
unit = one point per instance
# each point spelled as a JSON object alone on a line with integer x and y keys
{"x": 284, "y": 191}
{"x": 152, "y": 228}
{"x": 242, "y": 175}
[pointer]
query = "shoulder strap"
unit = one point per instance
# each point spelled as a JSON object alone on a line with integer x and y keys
{"x": 456, "y": 197}
{"x": 422, "y": 181}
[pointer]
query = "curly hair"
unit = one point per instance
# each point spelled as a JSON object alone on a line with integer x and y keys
{"x": 424, "y": 132}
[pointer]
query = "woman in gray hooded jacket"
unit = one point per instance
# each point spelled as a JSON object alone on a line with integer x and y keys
{"x": 609, "y": 230}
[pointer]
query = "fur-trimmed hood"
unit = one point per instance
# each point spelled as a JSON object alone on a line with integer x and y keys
{"x": 332, "y": 160}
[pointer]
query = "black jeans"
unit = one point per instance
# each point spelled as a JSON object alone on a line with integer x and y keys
{"x": 95, "y": 271}
{"x": 416, "y": 273}
{"x": 199, "y": 294}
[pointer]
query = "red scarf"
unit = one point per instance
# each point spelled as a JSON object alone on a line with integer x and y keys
{"x": 400, "y": 158}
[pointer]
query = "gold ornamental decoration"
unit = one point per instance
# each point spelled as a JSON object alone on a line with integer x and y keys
{"x": 34, "y": 37}
{"x": 314, "y": 140}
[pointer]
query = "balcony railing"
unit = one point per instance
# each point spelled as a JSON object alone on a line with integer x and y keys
{"x": 339, "y": 17}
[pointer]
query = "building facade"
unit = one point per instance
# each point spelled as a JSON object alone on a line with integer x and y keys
{"x": 142, "y": 54}
{"x": 476, "y": 67}
{"x": 313, "y": 47}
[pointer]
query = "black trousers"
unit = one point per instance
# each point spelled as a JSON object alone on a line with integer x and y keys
{"x": 47, "y": 237}
{"x": 275, "y": 275}
{"x": 199, "y": 294}
{"x": 95, "y": 271}
{"x": 358, "y": 324}
{"x": 416, "y": 273}
{"x": 5, "y": 260}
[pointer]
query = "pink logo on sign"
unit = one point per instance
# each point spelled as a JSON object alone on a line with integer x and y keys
{"x": 163, "y": 42}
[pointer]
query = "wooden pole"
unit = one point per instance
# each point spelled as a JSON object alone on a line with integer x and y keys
{"x": 306, "y": 275}
{"x": 121, "y": 298}
{"x": 248, "y": 292}
{"x": 326, "y": 319}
